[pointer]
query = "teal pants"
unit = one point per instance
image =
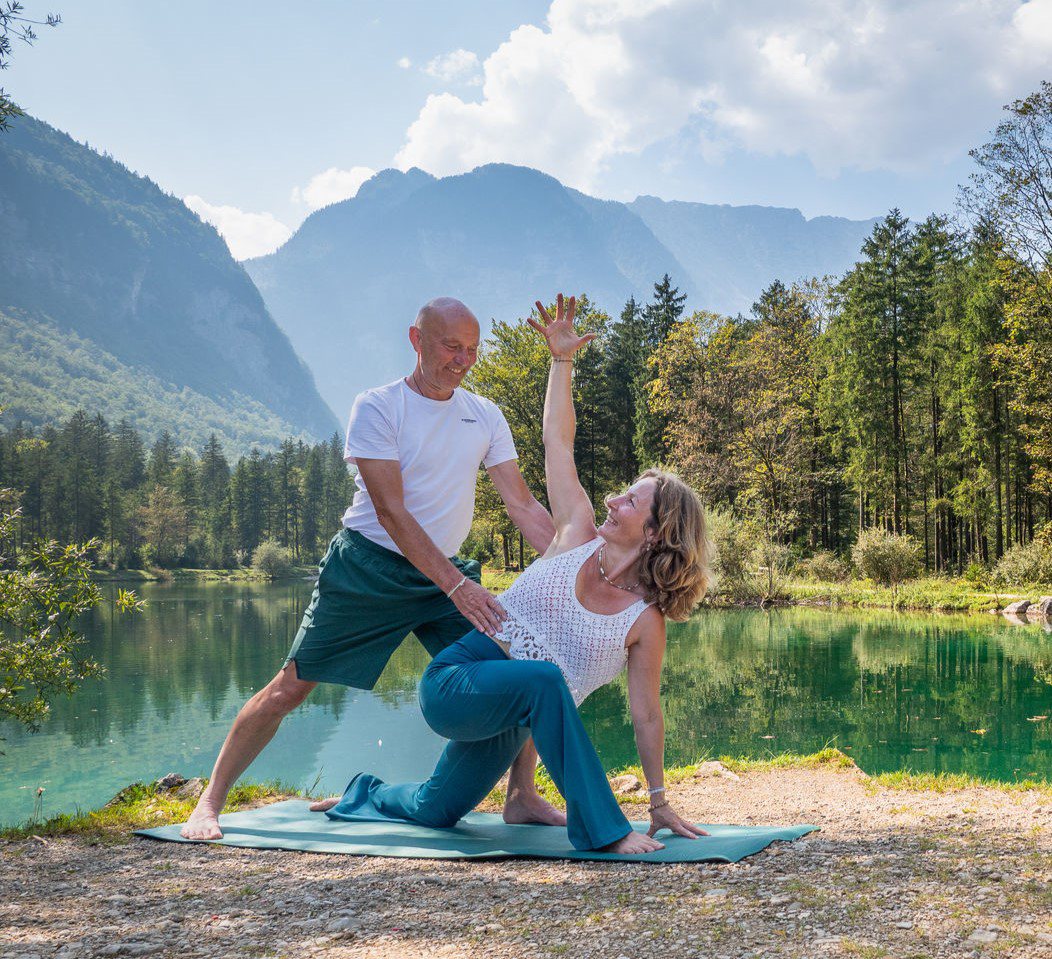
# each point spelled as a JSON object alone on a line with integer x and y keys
{"x": 487, "y": 706}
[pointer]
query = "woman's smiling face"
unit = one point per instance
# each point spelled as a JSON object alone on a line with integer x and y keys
{"x": 629, "y": 513}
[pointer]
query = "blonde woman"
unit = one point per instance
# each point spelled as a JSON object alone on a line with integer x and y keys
{"x": 596, "y": 601}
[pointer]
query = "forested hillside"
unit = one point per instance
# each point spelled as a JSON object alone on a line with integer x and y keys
{"x": 114, "y": 296}
{"x": 166, "y": 507}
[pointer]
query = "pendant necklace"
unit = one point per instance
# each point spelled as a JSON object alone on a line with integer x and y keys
{"x": 602, "y": 572}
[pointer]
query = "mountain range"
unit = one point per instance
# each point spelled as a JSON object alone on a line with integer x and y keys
{"x": 116, "y": 298}
{"x": 348, "y": 283}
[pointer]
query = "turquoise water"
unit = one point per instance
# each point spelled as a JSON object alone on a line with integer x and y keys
{"x": 895, "y": 691}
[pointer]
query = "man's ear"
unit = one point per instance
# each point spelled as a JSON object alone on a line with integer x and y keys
{"x": 414, "y": 337}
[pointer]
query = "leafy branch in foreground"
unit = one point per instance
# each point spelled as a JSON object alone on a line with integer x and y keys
{"x": 41, "y": 596}
{"x": 14, "y": 24}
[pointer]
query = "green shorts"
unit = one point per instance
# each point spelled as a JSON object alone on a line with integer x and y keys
{"x": 367, "y": 600}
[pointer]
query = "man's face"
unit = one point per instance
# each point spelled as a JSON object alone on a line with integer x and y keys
{"x": 447, "y": 349}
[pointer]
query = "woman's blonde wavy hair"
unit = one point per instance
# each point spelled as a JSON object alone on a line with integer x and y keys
{"x": 675, "y": 571}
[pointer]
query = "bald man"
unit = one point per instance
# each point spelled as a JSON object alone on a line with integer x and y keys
{"x": 392, "y": 569}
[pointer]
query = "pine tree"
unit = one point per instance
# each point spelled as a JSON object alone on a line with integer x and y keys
{"x": 659, "y": 318}
{"x": 624, "y": 358}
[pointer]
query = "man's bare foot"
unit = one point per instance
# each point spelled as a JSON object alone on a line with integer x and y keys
{"x": 634, "y": 844}
{"x": 203, "y": 822}
{"x": 320, "y": 805}
{"x": 521, "y": 808}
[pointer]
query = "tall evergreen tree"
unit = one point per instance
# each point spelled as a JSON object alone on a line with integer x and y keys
{"x": 624, "y": 356}
{"x": 660, "y": 316}
{"x": 160, "y": 465}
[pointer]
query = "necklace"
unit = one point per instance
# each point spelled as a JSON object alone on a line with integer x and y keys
{"x": 414, "y": 383}
{"x": 602, "y": 572}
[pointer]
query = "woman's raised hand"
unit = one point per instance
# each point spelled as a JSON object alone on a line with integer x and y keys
{"x": 563, "y": 340}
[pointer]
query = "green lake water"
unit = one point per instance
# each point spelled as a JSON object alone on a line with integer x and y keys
{"x": 895, "y": 691}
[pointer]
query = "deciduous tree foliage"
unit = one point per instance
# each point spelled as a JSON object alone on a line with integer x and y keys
{"x": 15, "y": 25}
{"x": 42, "y": 593}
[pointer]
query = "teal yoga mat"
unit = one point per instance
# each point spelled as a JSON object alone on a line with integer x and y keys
{"x": 291, "y": 825}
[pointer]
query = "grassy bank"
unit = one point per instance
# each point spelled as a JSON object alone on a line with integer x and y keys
{"x": 239, "y": 574}
{"x": 497, "y": 580}
{"x": 934, "y": 593}
{"x": 143, "y": 805}
{"x": 929, "y": 593}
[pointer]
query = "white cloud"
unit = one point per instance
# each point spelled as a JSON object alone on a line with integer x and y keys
{"x": 460, "y": 66}
{"x": 332, "y": 186}
{"x": 405, "y": 63}
{"x": 247, "y": 234}
{"x": 863, "y": 84}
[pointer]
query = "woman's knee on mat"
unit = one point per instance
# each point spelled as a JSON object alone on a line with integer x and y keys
{"x": 440, "y": 815}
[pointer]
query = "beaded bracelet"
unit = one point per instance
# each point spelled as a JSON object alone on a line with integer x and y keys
{"x": 655, "y": 808}
{"x": 562, "y": 359}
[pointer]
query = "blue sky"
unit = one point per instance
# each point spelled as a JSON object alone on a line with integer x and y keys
{"x": 258, "y": 112}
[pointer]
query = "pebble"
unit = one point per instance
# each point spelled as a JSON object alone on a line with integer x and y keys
{"x": 344, "y": 924}
{"x": 983, "y": 935}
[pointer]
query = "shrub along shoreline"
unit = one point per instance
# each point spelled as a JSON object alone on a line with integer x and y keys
{"x": 931, "y": 593}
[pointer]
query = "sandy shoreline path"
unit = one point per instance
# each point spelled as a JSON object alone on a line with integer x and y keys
{"x": 893, "y": 873}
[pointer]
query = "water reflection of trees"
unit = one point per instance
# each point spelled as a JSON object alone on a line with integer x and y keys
{"x": 894, "y": 690}
{"x": 200, "y": 643}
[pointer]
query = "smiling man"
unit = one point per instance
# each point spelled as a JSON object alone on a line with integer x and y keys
{"x": 392, "y": 569}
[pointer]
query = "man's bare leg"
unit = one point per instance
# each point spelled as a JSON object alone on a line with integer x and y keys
{"x": 254, "y": 727}
{"x": 523, "y": 803}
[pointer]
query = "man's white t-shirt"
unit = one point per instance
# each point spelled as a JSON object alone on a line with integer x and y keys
{"x": 438, "y": 444}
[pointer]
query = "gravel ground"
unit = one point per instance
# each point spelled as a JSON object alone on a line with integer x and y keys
{"x": 893, "y": 873}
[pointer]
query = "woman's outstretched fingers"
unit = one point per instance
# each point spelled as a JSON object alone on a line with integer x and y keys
{"x": 562, "y": 338}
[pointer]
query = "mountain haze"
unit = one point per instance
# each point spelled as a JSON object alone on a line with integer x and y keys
{"x": 115, "y": 298}
{"x": 348, "y": 283}
{"x": 734, "y": 252}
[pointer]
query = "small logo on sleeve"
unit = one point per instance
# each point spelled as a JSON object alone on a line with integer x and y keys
{"x": 467, "y": 419}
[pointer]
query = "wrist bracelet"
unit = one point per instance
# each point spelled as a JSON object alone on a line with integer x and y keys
{"x": 654, "y": 792}
{"x": 562, "y": 359}
{"x": 463, "y": 580}
{"x": 654, "y": 808}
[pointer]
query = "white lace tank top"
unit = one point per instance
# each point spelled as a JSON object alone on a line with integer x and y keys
{"x": 546, "y": 621}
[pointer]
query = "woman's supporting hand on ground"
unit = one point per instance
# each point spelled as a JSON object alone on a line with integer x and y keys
{"x": 665, "y": 817}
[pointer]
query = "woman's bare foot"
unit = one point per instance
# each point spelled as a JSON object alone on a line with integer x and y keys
{"x": 522, "y": 808}
{"x": 634, "y": 844}
{"x": 320, "y": 805}
{"x": 203, "y": 822}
